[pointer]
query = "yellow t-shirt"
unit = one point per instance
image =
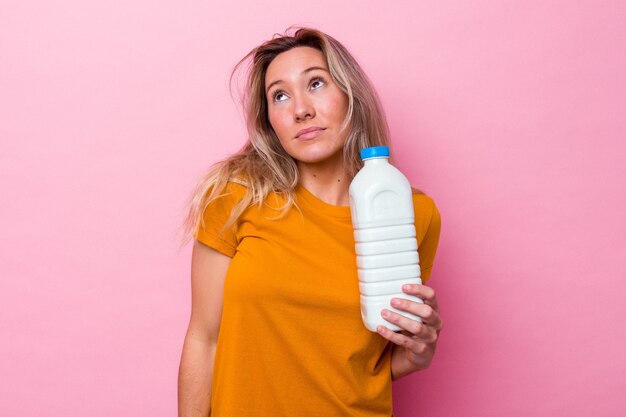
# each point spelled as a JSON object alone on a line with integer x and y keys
{"x": 291, "y": 340}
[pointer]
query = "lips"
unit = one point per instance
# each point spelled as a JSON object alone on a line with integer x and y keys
{"x": 309, "y": 133}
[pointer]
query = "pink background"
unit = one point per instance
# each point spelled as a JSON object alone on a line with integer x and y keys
{"x": 511, "y": 114}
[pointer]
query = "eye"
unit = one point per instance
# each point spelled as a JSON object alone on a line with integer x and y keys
{"x": 317, "y": 82}
{"x": 276, "y": 95}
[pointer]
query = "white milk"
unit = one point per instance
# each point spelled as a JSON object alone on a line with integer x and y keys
{"x": 381, "y": 204}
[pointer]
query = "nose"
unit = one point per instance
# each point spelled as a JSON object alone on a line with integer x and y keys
{"x": 303, "y": 109}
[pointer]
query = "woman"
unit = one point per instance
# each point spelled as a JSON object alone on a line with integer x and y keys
{"x": 273, "y": 264}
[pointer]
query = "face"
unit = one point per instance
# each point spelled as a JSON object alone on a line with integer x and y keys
{"x": 305, "y": 107}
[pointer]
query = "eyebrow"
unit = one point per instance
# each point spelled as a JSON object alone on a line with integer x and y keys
{"x": 303, "y": 72}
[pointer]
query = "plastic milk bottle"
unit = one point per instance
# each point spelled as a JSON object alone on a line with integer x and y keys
{"x": 381, "y": 205}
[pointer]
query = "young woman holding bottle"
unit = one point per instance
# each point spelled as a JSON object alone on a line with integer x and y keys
{"x": 275, "y": 326}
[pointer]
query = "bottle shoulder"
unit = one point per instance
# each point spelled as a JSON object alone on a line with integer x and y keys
{"x": 379, "y": 176}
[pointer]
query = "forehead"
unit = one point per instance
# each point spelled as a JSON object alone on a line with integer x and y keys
{"x": 291, "y": 63}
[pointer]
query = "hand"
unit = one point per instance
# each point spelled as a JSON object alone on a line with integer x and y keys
{"x": 415, "y": 345}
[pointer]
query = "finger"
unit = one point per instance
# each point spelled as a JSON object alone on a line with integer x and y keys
{"x": 416, "y": 330}
{"x": 427, "y": 313}
{"x": 424, "y": 292}
{"x": 398, "y": 338}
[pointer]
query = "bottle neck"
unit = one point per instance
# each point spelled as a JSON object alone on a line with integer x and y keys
{"x": 377, "y": 160}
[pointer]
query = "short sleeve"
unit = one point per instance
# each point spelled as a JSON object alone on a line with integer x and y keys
{"x": 215, "y": 217}
{"x": 428, "y": 228}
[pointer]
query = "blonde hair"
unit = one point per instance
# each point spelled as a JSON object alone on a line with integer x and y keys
{"x": 262, "y": 165}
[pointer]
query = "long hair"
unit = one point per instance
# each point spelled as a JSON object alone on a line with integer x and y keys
{"x": 262, "y": 165}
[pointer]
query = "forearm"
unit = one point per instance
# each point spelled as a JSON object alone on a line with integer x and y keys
{"x": 194, "y": 378}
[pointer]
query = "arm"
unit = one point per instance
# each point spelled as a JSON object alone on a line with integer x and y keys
{"x": 208, "y": 272}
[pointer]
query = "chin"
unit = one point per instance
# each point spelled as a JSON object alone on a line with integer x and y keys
{"x": 313, "y": 153}
{"x": 315, "y": 158}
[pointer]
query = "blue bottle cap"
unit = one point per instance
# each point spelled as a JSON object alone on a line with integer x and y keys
{"x": 374, "y": 151}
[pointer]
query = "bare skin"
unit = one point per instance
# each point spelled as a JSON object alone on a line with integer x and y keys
{"x": 208, "y": 272}
{"x": 414, "y": 347}
{"x": 302, "y": 95}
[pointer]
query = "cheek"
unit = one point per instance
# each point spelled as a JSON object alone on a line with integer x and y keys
{"x": 339, "y": 106}
{"x": 277, "y": 120}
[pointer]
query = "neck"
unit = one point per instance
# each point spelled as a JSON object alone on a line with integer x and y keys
{"x": 327, "y": 181}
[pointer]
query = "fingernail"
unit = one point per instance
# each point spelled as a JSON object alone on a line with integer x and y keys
{"x": 385, "y": 313}
{"x": 406, "y": 287}
{"x": 395, "y": 302}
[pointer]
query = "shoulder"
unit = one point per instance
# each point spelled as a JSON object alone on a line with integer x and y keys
{"x": 237, "y": 185}
{"x": 235, "y": 189}
{"x": 423, "y": 202}
{"x": 223, "y": 197}
{"x": 426, "y": 211}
